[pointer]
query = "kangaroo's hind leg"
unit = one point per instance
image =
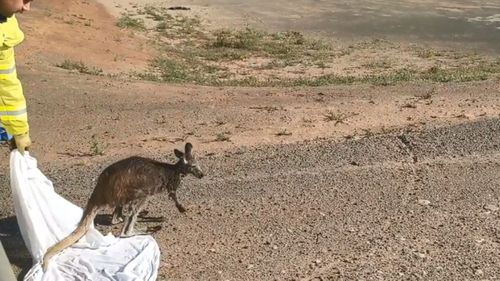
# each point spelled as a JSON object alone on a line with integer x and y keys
{"x": 117, "y": 215}
{"x": 133, "y": 210}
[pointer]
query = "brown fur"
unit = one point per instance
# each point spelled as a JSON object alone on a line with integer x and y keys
{"x": 126, "y": 185}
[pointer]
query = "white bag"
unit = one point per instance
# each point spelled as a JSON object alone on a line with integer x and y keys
{"x": 44, "y": 217}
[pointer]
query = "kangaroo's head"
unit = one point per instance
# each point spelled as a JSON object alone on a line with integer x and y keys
{"x": 187, "y": 162}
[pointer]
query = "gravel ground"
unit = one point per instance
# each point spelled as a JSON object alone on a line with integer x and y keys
{"x": 414, "y": 206}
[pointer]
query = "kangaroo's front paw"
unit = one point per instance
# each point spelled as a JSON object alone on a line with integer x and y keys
{"x": 181, "y": 208}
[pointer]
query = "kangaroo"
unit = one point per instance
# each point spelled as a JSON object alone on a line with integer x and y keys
{"x": 126, "y": 186}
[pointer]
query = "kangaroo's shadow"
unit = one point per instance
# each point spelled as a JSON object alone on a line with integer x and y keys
{"x": 142, "y": 217}
{"x": 14, "y": 246}
{"x": 105, "y": 220}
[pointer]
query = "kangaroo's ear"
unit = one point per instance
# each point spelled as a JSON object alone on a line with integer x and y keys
{"x": 187, "y": 150}
{"x": 179, "y": 154}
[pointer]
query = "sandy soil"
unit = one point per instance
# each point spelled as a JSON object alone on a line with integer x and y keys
{"x": 79, "y": 31}
{"x": 354, "y": 182}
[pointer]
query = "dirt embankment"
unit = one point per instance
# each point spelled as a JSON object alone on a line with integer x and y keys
{"x": 79, "y": 31}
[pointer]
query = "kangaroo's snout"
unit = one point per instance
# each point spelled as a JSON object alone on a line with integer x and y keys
{"x": 198, "y": 173}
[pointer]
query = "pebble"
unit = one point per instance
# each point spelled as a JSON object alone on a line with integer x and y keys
{"x": 424, "y": 202}
{"x": 491, "y": 208}
{"x": 420, "y": 255}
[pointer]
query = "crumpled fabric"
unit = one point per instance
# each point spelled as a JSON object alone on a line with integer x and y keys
{"x": 44, "y": 217}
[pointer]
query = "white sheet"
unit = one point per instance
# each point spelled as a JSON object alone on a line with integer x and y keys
{"x": 44, "y": 217}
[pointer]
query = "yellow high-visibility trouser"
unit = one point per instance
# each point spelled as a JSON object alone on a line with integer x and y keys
{"x": 13, "y": 113}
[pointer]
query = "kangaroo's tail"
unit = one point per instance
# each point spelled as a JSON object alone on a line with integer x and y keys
{"x": 85, "y": 223}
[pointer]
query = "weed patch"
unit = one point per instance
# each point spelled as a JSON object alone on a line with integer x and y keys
{"x": 191, "y": 53}
{"x": 80, "y": 67}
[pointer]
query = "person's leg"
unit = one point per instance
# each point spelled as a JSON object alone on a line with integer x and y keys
{"x": 6, "y": 273}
